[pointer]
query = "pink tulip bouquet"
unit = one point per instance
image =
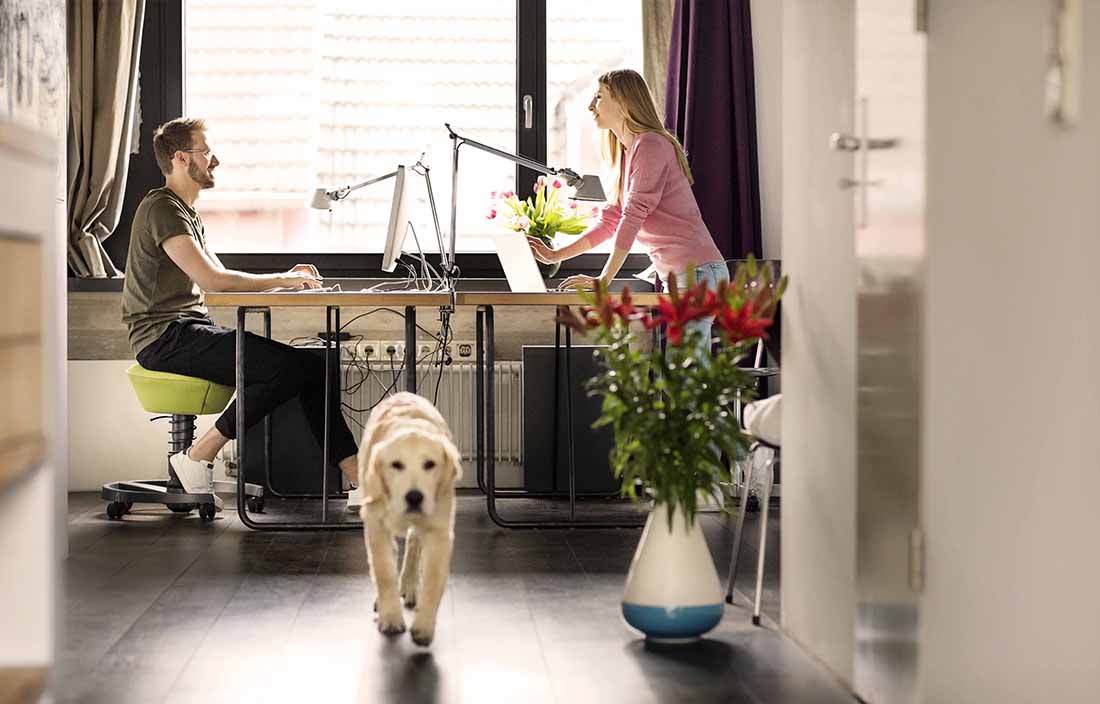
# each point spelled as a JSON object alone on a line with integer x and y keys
{"x": 544, "y": 215}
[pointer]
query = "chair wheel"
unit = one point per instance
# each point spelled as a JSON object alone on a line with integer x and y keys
{"x": 128, "y": 505}
{"x": 207, "y": 511}
{"x": 181, "y": 508}
{"x": 256, "y": 504}
{"x": 116, "y": 510}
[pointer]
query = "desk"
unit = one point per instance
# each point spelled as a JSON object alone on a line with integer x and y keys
{"x": 332, "y": 302}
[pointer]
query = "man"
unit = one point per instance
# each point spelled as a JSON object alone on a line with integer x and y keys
{"x": 168, "y": 268}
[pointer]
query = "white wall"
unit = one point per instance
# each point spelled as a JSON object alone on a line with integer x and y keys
{"x": 110, "y": 436}
{"x": 27, "y": 587}
{"x": 767, "y": 43}
{"x": 1011, "y": 475}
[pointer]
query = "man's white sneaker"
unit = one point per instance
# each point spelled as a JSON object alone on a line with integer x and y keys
{"x": 355, "y": 498}
{"x": 195, "y": 476}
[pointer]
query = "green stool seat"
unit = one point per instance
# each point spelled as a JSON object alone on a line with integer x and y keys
{"x": 163, "y": 392}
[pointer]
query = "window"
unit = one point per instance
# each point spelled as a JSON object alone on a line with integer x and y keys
{"x": 301, "y": 94}
{"x": 584, "y": 39}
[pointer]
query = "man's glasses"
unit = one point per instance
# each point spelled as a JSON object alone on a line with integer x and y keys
{"x": 205, "y": 152}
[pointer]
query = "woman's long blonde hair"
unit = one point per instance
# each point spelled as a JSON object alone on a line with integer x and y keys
{"x": 630, "y": 90}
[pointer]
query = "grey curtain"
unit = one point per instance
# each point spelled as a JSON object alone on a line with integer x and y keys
{"x": 104, "y": 43}
{"x": 656, "y": 33}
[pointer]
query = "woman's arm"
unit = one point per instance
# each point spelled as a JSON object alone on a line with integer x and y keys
{"x": 614, "y": 263}
{"x": 547, "y": 255}
{"x": 600, "y": 232}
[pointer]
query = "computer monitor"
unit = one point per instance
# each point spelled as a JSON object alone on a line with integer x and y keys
{"x": 398, "y": 225}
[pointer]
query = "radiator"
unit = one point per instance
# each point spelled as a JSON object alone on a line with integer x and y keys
{"x": 456, "y": 401}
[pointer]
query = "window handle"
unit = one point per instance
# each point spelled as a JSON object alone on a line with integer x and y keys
{"x": 528, "y": 111}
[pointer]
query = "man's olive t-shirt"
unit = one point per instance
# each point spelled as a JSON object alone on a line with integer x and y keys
{"x": 156, "y": 291}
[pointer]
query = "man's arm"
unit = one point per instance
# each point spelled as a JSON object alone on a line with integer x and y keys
{"x": 207, "y": 271}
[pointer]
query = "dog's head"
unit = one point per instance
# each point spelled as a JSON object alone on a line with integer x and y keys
{"x": 410, "y": 471}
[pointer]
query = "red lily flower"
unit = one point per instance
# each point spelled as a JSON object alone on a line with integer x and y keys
{"x": 741, "y": 323}
{"x": 679, "y": 310}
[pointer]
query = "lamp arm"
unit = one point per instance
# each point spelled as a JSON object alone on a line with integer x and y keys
{"x": 424, "y": 170}
{"x": 571, "y": 176}
{"x": 341, "y": 193}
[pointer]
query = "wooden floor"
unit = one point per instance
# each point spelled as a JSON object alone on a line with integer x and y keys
{"x": 167, "y": 608}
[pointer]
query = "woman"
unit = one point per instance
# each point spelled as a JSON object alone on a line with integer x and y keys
{"x": 651, "y": 199}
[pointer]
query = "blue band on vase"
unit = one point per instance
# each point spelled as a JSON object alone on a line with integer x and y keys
{"x": 673, "y": 621}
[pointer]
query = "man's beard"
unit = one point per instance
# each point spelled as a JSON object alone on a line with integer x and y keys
{"x": 205, "y": 180}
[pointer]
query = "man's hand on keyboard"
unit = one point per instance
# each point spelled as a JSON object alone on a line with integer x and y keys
{"x": 308, "y": 269}
{"x": 296, "y": 279}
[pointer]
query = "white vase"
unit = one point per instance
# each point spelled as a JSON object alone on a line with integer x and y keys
{"x": 672, "y": 590}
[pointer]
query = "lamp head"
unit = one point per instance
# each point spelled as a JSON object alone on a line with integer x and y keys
{"x": 588, "y": 188}
{"x": 322, "y": 199}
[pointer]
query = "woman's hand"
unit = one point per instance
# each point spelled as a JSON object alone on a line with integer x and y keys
{"x": 582, "y": 281}
{"x": 543, "y": 252}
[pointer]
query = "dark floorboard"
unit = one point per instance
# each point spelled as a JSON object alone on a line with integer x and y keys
{"x": 168, "y": 608}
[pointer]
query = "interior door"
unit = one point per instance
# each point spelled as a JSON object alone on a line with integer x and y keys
{"x": 852, "y": 111}
{"x": 888, "y": 205}
{"x": 818, "y": 531}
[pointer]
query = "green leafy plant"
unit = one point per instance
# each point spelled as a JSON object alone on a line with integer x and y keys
{"x": 672, "y": 411}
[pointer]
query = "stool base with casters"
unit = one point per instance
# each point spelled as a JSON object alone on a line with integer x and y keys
{"x": 123, "y": 495}
{"x": 182, "y": 399}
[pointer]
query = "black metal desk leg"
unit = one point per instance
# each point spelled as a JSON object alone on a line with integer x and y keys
{"x": 479, "y": 398}
{"x": 267, "y": 419}
{"x": 557, "y": 393}
{"x": 569, "y": 422}
{"x": 410, "y": 349}
{"x": 490, "y": 416}
{"x": 325, "y": 449}
{"x": 242, "y": 314}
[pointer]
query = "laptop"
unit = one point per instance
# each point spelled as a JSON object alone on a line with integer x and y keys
{"x": 518, "y": 262}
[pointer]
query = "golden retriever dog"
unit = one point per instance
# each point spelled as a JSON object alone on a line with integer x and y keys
{"x": 408, "y": 465}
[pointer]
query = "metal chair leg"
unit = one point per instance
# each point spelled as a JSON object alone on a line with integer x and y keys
{"x": 746, "y": 484}
{"x": 765, "y": 501}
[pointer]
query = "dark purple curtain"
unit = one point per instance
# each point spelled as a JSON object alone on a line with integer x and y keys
{"x": 711, "y": 107}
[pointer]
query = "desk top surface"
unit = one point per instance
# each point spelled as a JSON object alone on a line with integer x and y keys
{"x": 403, "y": 298}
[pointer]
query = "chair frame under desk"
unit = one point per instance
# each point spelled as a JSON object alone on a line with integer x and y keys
{"x": 484, "y": 303}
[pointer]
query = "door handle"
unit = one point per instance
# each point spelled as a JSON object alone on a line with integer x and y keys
{"x": 847, "y": 143}
{"x": 856, "y": 183}
{"x": 528, "y": 112}
{"x": 862, "y": 144}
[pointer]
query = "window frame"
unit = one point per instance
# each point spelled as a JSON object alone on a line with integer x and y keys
{"x": 161, "y": 96}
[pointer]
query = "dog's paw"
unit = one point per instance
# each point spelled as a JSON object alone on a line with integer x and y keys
{"x": 422, "y": 637}
{"x": 409, "y": 599}
{"x": 422, "y": 632}
{"x": 391, "y": 624}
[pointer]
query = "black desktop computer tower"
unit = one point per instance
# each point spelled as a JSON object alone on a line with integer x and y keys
{"x": 590, "y": 446}
{"x": 295, "y": 454}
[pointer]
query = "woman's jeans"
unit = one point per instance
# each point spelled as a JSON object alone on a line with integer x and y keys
{"x": 712, "y": 273}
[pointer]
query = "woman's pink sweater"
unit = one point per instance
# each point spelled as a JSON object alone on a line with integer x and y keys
{"x": 658, "y": 209}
